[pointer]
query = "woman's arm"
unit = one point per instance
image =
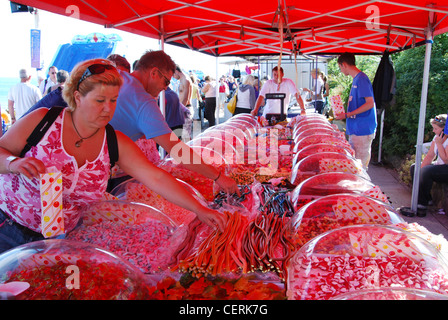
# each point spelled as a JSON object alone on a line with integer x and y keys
{"x": 327, "y": 90}
{"x": 205, "y": 88}
{"x": 183, "y": 154}
{"x": 442, "y": 152}
{"x": 13, "y": 142}
{"x": 430, "y": 156}
{"x": 133, "y": 162}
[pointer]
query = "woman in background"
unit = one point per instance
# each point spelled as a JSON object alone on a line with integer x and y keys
{"x": 245, "y": 96}
{"x": 434, "y": 167}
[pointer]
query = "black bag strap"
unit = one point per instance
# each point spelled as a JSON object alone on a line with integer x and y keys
{"x": 112, "y": 145}
{"x": 50, "y": 117}
{"x": 40, "y": 130}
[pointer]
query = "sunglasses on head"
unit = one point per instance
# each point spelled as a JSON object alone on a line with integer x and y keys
{"x": 94, "y": 69}
{"x": 436, "y": 118}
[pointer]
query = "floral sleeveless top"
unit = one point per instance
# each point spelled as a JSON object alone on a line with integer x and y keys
{"x": 20, "y": 196}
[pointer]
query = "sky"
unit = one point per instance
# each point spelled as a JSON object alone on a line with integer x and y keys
{"x": 58, "y": 29}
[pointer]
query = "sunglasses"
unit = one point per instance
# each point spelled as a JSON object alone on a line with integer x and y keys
{"x": 436, "y": 118}
{"x": 167, "y": 81}
{"x": 94, "y": 69}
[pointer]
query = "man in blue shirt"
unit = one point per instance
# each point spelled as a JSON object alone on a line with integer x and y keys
{"x": 361, "y": 111}
{"x": 138, "y": 115}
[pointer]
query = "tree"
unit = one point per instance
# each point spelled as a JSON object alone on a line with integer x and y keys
{"x": 341, "y": 84}
{"x": 401, "y": 121}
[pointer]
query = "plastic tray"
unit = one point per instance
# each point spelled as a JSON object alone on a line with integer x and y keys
{"x": 363, "y": 257}
{"x": 319, "y": 138}
{"x": 338, "y": 210}
{"x": 321, "y": 147}
{"x": 319, "y": 162}
{"x": 324, "y": 184}
{"x": 71, "y": 270}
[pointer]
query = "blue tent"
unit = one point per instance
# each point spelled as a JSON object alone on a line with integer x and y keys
{"x": 68, "y": 55}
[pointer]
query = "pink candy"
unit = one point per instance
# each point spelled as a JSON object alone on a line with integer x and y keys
{"x": 322, "y": 278}
{"x": 145, "y": 245}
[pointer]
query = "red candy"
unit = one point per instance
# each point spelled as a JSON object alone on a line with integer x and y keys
{"x": 324, "y": 277}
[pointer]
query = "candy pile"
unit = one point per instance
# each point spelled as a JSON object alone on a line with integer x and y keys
{"x": 265, "y": 246}
{"x": 311, "y": 228}
{"x": 215, "y": 288}
{"x": 144, "y": 245}
{"x": 324, "y": 277}
{"x": 97, "y": 281}
{"x": 137, "y": 192}
{"x": 199, "y": 182}
{"x": 220, "y": 252}
{"x": 246, "y": 245}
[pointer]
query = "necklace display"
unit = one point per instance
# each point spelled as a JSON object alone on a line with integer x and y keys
{"x": 78, "y": 143}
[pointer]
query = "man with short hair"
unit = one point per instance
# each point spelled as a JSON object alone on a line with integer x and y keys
{"x": 277, "y": 84}
{"x": 138, "y": 115}
{"x": 54, "y": 96}
{"x": 120, "y": 62}
{"x": 61, "y": 78}
{"x": 22, "y": 96}
{"x": 317, "y": 90}
{"x": 361, "y": 120}
{"x": 185, "y": 87}
{"x": 49, "y": 81}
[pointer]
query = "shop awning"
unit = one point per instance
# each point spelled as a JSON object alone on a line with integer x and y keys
{"x": 241, "y": 28}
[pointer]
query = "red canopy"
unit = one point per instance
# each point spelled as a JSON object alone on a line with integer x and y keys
{"x": 242, "y": 28}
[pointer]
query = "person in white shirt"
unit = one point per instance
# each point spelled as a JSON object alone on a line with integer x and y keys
{"x": 277, "y": 84}
{"x": 434, "y": 166}
{"x": 245, "y": 96}
{"x": 49, "y": 81}
{"x": 22, "y": 96}
{"x": 209, "y": 90}
{"x": 317, "y": 90}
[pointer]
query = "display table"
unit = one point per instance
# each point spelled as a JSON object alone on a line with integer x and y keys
{"x": 331, "y": 235}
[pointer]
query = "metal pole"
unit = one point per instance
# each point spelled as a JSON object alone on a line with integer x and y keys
{"x": 381, "y": 135}
{"x": 217, "y": 92}
{"x": 421, "y": 123}
{"x": 162, "y": 105}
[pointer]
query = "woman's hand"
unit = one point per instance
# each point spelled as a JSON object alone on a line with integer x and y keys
{"x": 212, "y": 218}
{"x": 438, "y": 139}
{"x": 29, "y": 166}
{"x": 227, "y": 184}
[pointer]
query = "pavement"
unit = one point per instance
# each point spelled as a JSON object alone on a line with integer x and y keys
{"x": 400, "y": 195}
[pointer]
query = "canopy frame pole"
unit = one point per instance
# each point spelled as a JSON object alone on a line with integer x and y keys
{"x": 162, "y": 47}
{"x": 162, "y": 104}
{"x": 217, "y": 91}
{"x": 422, "y": 116}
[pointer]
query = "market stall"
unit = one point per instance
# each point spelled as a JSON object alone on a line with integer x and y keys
{"x": 283, "y": 240}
